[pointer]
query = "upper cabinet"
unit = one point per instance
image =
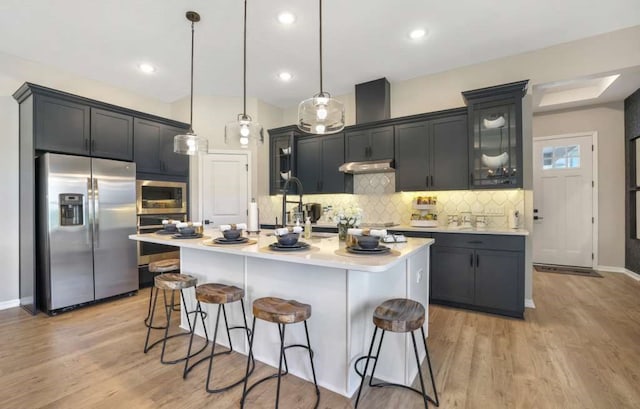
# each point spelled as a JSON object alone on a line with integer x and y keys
{"x": 61, "y": 125}
{"x": 281, "y": 158}
{"x": 153, "y": 149}
{"x": 111, "y": 134}
{"x": 432, "y": 154}
{"x": 318, "y": 159}
{"x": 369, "y": 144}
{"x": 495, "y": 136}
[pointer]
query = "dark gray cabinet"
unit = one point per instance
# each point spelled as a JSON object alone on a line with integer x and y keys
{"x": 153, "y": 149}
{"x": 111, "y": 135}
{"x": 432, "y": 154}
{"x": 495, "y": 136}
{"x": 369, "y": 144}
{"x": 61, "y": 126}
{"x": 318, "y": 159}
{"x": 281, "y": 159}
{"x": 477, "y": 271}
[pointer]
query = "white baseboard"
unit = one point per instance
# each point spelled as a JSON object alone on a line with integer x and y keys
{"x": 528, "y": 303}
{"x": 9, "y": 304}
{"x": 622, "y": 270}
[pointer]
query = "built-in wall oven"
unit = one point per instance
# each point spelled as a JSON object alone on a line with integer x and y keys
{"x": 156, "y": 201}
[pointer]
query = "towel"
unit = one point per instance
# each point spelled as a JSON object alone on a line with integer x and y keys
{"x": 282, "y": 231}
{"x": 297, "y": 229}
{"x": 239, "y": 226}
{"x": 379, "y": 233}
{"x": 181, "y": 225}
{"x": 354, "y": 232}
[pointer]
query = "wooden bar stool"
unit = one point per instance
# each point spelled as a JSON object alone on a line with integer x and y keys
{"x": 174, "y": 282}
{"x": 221, "y": 294}
{"x": 281, "y": 312}
{"x": 161, "y": 267}
{"x": 398, "y": 315}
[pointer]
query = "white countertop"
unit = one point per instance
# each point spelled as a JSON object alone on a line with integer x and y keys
{"x": 324, "y": 251}
{"x": 444, "y": 229}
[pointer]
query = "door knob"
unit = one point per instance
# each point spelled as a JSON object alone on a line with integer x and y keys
{"x": 538, "y": 217}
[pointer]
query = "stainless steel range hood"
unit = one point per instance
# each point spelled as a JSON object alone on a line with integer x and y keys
{"x": 375, "y": 166}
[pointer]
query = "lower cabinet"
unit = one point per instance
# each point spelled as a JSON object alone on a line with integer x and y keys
{"x": 479, "y": 271}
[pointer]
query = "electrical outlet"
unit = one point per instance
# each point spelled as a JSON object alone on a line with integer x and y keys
{"x": 494, "y": 210}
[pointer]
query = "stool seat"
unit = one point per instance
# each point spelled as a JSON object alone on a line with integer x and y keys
{"x": 163, "y": 266}
{"x": 281, "y": 311}
{"x": 214, "y": 293}
{"x": 174, "y": 281}
{"x": 399, "y": 315}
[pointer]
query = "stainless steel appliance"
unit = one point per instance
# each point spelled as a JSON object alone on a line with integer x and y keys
{"x": 86, "y": 211}
{"x": 161, "y": 197}
{"x": 313, "y": 211}
{"x": 148, "y": 252}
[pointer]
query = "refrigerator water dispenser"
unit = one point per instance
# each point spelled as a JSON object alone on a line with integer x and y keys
{"x": 71, "y": 209}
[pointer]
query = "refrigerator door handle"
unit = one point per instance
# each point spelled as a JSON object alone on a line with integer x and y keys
{"x": 88, "y": 212}
{"x": 96, "y": 214}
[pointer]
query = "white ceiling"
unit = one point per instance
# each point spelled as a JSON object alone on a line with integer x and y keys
{"x": 363, "y": 39}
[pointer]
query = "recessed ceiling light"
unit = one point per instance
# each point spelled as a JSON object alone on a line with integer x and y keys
{"x": 285, "y": 76}
{"x": 147, "y": 68}
{"x": 417, "y": 33}
{"x": 286, "y": 18}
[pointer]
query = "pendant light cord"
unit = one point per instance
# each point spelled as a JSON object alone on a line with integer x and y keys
{"x": 321, "y": 91}
{"x": 191, "y": 102}
{"x": 244, "y": 65}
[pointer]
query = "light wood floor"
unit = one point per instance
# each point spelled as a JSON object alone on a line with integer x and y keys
{"x": 580, "y": 348}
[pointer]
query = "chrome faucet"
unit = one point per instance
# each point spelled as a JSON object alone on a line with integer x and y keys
{"x": 284, "y": 198}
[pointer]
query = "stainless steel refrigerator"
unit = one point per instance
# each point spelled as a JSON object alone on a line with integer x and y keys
{"x": 87, "y": 208}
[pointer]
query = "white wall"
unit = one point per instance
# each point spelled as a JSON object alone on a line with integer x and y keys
{"x": 608, "y": 121}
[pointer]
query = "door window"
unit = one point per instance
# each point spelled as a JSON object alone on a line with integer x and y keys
{"x": 561, "y": 157}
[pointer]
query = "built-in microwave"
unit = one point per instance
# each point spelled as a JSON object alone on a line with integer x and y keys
{"x": 161, "y": 197}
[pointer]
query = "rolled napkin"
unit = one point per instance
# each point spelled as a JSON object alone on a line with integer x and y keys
{"x": 281, "y": 231}
{"x": 297, "y": 229}
{"x": 165, "y": 221}
{"x": 354, "y": 232}
{"x": 379, "y": 233}
{"x": 239, "y": 226}
{"x": 182, "y": 224}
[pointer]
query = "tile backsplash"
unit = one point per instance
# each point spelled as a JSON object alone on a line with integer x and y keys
{"x": 375, "y": 194}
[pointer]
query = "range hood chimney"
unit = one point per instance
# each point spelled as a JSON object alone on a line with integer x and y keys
{"x": 372, "y": 101}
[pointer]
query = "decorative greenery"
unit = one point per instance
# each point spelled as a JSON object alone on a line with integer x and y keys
{"x": 349, "y": 216}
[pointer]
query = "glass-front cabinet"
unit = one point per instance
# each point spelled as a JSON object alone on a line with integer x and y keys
{"x": 495, "y": 136}
{"x": 282, "y": 158}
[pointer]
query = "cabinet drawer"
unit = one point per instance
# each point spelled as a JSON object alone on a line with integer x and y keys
{"x": 480, "y": 241}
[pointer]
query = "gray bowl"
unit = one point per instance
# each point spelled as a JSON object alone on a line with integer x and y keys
{"x": 368, "y": 242}
{"x": 171, "y": 227}
{"x": 288, "y": 239}
{"x": 187, "y": 231}
{"x": 232, "y": 234}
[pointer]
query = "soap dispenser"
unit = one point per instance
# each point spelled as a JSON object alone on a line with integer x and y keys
{"x": 307, "y": 228}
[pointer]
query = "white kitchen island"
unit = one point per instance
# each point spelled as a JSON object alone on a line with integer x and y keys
{"x": 343, "y": 289}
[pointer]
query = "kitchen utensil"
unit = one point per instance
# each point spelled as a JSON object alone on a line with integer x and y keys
{"x": 314, "y": 211}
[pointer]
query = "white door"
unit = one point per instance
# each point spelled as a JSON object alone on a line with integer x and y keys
{"x": 224, "y": 192}
{"x": 563, "y": 200}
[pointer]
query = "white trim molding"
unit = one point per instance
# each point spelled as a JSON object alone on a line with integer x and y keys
{"x": 528, "y": 303}
{"x": 622, "y": 270}
{"x": 9, "y": 304}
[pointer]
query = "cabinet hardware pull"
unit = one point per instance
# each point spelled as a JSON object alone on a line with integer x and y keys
{"x": 474, "y": 242}
{"x": 477, "y": 260}
{"x": 431, "y": 177}
{"x": 471, "y": 259}
{"x": 471, "y": 178}
{"x": 426, "y": 181}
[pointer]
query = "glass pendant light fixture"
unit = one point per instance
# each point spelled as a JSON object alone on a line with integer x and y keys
{"x": 190, "y": 143}
{"x": 244, "y": 129}
{"x": 321, "y": 114}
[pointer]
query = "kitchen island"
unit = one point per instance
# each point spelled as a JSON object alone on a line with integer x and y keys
{"x": 342, "y": 288}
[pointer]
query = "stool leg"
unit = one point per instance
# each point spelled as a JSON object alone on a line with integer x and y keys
{"x": 226, "y": 324}
{"x": 375, "y": 362}
{"x": 154, "y": 291}
{"x": 280, "y": 363}
{"x": 146, "y": 320}
{"x": 166, "y": 330}
{"x": 366, "y": 365}
{"x": 213, "y": 348}
{"x": 313, "y": 370}
{"x": 246, "y": 325}
{"x": 200, "y": 313}
{"x": 249, "y": 358}
{"x": 415, "y": 350}
{"x": 433, "y": 381}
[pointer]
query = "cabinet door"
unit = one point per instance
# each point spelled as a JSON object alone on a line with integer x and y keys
{"x": 111, "y": 135}
{"x": 281, "y": 156}
{"x": 332, "y": 180}
{"x": 449, "y": 166}
{"x": 309, "y": 160}
{"x": 357, "y": 146}
{"x": 146, "y": 146}
{"x": 411, "y": 148}
{"x": 499, "y": 280}
{"x": 452, "y": 274}
{"x": 381, "y": 143}
{"x": 172, "y": 163}
{"x": 61, "y": 126}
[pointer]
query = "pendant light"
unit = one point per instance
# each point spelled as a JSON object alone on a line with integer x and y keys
{"x": 190, "y": 143}
{"x": 321, "y": 114}
{"x": 244, "y": 129}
